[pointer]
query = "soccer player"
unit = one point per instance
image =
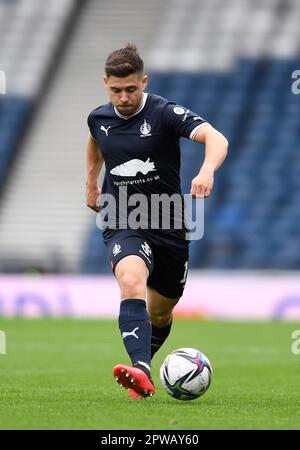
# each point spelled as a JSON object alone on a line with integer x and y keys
{"x": 137, "y": 136}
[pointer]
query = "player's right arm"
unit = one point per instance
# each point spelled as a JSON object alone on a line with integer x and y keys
{"x": 94, "y": 161}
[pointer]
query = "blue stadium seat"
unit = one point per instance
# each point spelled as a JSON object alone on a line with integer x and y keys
{"x": 95, "y": 259}
{"x": 13, "y": 117}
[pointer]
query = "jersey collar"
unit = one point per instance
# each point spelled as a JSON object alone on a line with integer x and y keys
{"x": 145, "y": 95}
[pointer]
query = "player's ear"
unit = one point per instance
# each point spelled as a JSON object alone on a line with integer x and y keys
{"x": 105, "y": 80}
{"x": 145, "y": 81}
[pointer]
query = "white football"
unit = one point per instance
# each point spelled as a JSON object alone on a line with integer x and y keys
{"x": 186, "y": 374}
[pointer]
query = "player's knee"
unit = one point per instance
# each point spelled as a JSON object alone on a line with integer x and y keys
{"x": 132, "y": 285}
{"x": 161, "y": 320}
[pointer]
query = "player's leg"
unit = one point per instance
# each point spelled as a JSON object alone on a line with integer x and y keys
{"x": 135, "y": 326}
{"x": 131, "y": 260}
{"x": 160, "y": 309}
{"x": 165, "y": 287}
{"x": 132, "y": 273}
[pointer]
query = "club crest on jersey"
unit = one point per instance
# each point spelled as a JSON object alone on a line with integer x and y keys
{"x": 116, "y": 249}
{"x": 145, "y": 129}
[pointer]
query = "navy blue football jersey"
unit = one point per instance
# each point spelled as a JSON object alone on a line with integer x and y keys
{"x": 142, "y": 151}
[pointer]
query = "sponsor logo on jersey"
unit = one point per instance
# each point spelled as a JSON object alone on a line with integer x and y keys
{"x": 116, "y": 249}
{"x": 105, "y": 129}
{"x": 132, "y": 167}
{"x": 145, "y": 129}
{"x": 178, "y": 110}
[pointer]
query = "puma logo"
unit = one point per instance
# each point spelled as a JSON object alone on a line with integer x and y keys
{"x": 132, "y": 167}
{"x": 130, "y": 333}
{"x": 105, "y": 129}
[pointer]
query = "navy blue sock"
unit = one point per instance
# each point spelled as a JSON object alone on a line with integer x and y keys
{"x": 159, "y": 335}
{"x": 136, "y": 329}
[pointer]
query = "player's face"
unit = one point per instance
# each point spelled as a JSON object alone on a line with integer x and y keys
{"x": 126, "y": 93}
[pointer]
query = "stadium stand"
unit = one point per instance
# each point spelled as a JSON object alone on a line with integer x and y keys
{"x": 232, "y": 65}
{"x": 48, "y": 177}
{"x": 29, "y": 33}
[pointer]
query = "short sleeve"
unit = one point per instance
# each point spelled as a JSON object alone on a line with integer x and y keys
{"x": 182, "y": 121}
{"x": 90, "y": 122}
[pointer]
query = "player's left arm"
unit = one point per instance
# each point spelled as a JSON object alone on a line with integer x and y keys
{"x": 216, "y": 146}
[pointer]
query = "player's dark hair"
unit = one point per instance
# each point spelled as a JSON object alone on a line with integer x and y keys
{"x": 123, "y": 62}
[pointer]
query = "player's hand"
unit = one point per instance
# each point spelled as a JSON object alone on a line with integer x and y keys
{"x": 92, "y": 197}
{"x": 202, "y": 184}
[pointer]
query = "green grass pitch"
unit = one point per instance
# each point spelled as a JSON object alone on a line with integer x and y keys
{"x": 57, "y": 374}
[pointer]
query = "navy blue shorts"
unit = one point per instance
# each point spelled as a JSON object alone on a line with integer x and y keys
{"x": 166, "y": 259}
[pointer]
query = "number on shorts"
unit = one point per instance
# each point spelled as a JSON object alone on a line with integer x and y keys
{"x": 185, "y": 273}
